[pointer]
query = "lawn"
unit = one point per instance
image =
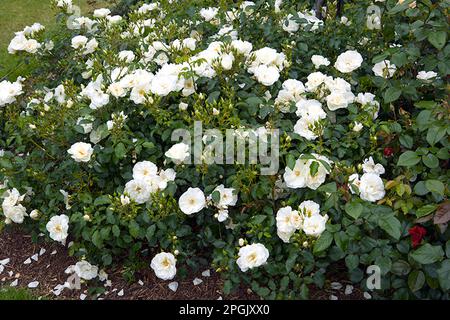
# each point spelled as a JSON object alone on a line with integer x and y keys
{"x": 16, "y": 14}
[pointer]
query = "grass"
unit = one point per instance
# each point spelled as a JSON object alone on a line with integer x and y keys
{"x": 16, "y": 14}
{"x": 16, "y": 294}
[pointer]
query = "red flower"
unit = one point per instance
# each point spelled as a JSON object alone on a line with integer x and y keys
{"x": 388, "y": 151}
{"x": 417, "y": 233}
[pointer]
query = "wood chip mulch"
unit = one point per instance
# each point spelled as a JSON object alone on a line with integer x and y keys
{"x": 49, "y": 269}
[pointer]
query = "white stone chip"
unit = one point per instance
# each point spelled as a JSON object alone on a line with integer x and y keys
{"x": 120, "y": 293}
{"x": 42, "y": 251}
{"x": 54, "y": 252}
{"x": 4, "y": 262}
{"x": 197, "y": 281}
{"x": 14, "y": 283}
{"x": 367, "y": 295}
{"x": 333, "y": 297}
{"x": 28, "y": 261}
{"x": 140, "y": 282}
{"x": 173, "y": 286}
{"x": 35, "y": 257}
{"x": 83, "y": 296}
{"x": 33, "y": 284}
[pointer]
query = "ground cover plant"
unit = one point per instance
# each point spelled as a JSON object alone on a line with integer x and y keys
{"x": 351, "y": 98}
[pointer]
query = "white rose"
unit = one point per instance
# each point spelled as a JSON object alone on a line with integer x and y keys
{"x": 309, "y": 208}
{"x": 117, "y": 90}
{"x": 318, "y": 61}
{"x": 369, "y": 166}
{"x": 164, "y": 266}
{"x": 58, "y": 227}
{"x": 127, "y": 56}
{"x": 371, "y": 187}
{"x": 101, "y": 13}
{"x": 284, "y": 220}
{"x": 384, "y": 69}
{"x": 314, "y": 225}
{"x": 357, "y": 126}
{"x": 227, "y": 196}
{"x": 242, "y": 47}
{"x": 290, "y": 25}
{"x": 209, "y": 13}
{"x": 144, "y": 170}
{"x": 338, "y": 100}
{"x": 178, "y": 152}
{"x": 348, "y": 61}
{"x": 426, "y": 75}
{"x": 79, "y": 42}
{"x": 139, "y": 190}
{"x": 81, "y": 152}
{"x": 162, "y": 85}
{"x": 227, "y": 61}
{"x": 15, "y": 213}
{"x": 252, "y": 256}
{"x": 192, "y": 201}
{"x": 267, "y": 75}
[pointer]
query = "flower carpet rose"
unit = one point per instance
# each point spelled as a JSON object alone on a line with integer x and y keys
{"x": 144, "y": 138}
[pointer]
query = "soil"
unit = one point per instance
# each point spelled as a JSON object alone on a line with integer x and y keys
{"x": 16, "y": 245}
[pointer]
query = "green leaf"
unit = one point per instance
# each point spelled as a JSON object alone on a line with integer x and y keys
{"x": 115, "y": 231}
{"x": 444, "y": 275}
{"x": 392, "y": 94}
{"x": 323, "y": 242}
{"x": 425, "y": 210}
{"x": 328, "y": 188}
{"x": 408, "y": 158}
{"x": 420, "y": 188}
{"x": 120, "y": 151}
{"x": 416, "y": 280}
{"x": 430, "y": 161}
{"x": 134, "y": 229}
{"x": 290, "y": 262}
{"x": 438, "y": 39}
{"x": 313, "y": 168}
{"x": 354, "y": 209}
{"x": 216, "y": 196}
{"x": 352, "y": 261}
{"x": 150, "y": 232}
{"x": 427, "y": 254}
{"x": 435, "y": 134}
{"x": 435, "y": 186}
{"x": 102, "y": 200}
{"x": 389, "y": 223}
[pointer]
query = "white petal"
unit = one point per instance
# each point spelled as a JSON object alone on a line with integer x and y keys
{"x": 206, "y": 273}
{"x": 348, "y": 289}
{"x": 53, "y": 252}
{"x": 333, "y": 297}
{"x": 173, "y": 286}
{"x": 336, "y": 286}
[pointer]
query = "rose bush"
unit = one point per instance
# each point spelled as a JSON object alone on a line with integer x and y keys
{"x": 360, "y": 101}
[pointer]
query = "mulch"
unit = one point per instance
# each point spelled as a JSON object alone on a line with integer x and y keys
{"x": 18, "y": 246}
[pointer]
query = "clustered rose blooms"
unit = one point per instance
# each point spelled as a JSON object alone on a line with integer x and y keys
{"x": 99, "y": 140}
